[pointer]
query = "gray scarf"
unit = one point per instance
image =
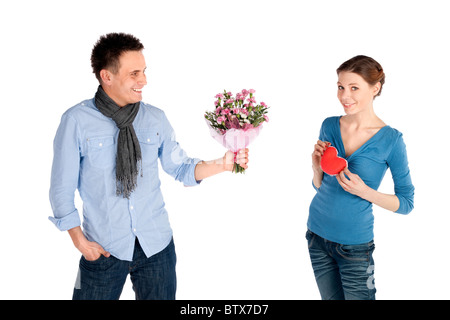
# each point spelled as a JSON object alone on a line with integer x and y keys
{"x": 128, "y": 157}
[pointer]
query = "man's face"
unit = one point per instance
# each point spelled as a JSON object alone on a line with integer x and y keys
{"x": 126, "y": 85}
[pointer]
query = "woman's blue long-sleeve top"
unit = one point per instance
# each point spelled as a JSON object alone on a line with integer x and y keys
{"x": 342, "y": 217}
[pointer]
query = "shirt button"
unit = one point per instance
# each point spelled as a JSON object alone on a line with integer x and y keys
{"x": 100, "y": 144}
{"x": 134, "y": 229}
{"x": 148, "y": 140}
{"x": 131, "y": 207}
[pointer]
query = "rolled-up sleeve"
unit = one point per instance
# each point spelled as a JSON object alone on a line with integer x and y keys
{"x": 174, "y": 159}
{"x": 64, "y": 175}
{"x": 403, "y": 186}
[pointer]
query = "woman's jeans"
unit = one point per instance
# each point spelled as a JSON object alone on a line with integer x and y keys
{"x": 153, "y": 278}
{"x": 343, "y": 272}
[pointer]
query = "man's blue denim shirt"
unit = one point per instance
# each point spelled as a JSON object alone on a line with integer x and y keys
{"x": 85, "y": 149}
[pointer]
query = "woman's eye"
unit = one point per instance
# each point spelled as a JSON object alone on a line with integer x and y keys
{"x": 354, "y": 88}
{"x": 340, "y": 87}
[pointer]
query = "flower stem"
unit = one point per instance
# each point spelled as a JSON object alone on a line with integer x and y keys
{"x": 238, "y": 169}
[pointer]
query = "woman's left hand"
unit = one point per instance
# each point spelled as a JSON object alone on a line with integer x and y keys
{"x": 354, "y": 184}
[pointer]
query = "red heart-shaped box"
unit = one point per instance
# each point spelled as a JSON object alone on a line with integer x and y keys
{"x": 331, "y": 163}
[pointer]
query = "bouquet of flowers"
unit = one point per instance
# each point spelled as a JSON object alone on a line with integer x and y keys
{"x": 236, "y": 121}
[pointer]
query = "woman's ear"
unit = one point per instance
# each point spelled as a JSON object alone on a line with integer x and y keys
{"x": 376, "y": 88}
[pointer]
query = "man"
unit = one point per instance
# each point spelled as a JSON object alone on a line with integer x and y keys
{"x": 107, "y": 148}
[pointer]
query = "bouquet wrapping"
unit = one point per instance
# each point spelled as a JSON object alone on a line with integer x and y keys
{"x": 236, "y": 121}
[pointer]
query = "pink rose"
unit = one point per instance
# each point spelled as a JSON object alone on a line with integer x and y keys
{"x": 221, "y": 119}
{"x": 252, "y": 91}
{"x": 266, "y": 118}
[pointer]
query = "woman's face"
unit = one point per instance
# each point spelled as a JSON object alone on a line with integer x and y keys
{"x": 354, "y": 93}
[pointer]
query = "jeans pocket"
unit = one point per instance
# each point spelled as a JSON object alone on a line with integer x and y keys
{"x": 359, "y": 252}
{"x": 310, "y": 238}
{"x": 101, "y": 264}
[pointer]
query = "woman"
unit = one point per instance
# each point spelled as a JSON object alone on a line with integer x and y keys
{"x": 340, "y": 223}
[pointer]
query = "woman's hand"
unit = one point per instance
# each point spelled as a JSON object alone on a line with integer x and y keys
{"x": 319, "y": 149}
{"x": 354, "y": 184}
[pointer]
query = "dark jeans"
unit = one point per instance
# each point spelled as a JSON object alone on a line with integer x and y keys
{"x": 343, "y": 272}
{"x": 153, "y": 278}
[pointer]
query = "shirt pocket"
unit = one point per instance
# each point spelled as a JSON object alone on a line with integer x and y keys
{"x": 149, "y": 143}
{"x": 101, "y": 152}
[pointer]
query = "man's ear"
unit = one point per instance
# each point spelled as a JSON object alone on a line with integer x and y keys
{"x": 105, "y": 75}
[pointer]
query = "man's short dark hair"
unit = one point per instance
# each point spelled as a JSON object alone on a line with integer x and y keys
{"x": 109, "y": 48}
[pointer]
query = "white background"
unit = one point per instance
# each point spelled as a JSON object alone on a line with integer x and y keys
{"x": 237, "y": 237}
